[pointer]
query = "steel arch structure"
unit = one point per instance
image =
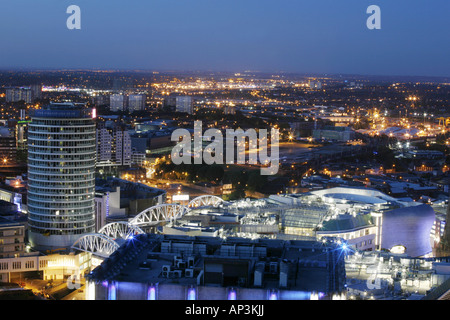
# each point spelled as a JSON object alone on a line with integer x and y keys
{"x": 205, "y": 201}
{"x": 120, "y": 230}
{"x": 159, "y": 213}
{"x": 97, "y": 244}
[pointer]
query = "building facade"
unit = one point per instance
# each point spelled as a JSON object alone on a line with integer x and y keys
{"x": 136, "y": 102}
{"x": 113, "y": 144}
{"x": 117, "y": 102}
{"x": 19, "y": 94}
{"x": 61, "y": 169}
{"x": 12, "y": 238}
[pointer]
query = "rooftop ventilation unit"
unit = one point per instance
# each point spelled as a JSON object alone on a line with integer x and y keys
{"x": 189, "y": 273}
{"x": 177, "y": 261}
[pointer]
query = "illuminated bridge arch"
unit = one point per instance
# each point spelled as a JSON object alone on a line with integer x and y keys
{"x": 120, "y": 230}
{"x": 205, "y": 201}
{"x": 97, "y": 244}
{"x": 159, "y": 213}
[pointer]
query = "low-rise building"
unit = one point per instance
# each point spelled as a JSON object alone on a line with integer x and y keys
{"x": 162, "y": 267}
{"x": 12, "y": 238}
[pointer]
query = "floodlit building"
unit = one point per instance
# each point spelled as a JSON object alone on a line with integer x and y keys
{"x": 366, "y": 218}
{"x": 107, "y": 205}
{"x": 61, "y": 169}
{"x": 372, "y": 220}
{"x": 52, "y": 266}
{"x": 162, "y": 267}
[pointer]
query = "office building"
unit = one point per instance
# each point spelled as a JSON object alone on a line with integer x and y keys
{"x": 61, "y": 169}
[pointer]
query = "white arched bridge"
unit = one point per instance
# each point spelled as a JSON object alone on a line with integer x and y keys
{"x": 97, "y": 244}
{"x": 159, "y": 213}
{"x": 110, "y": 236}
{"x": 120, "y": 230}
{"x": 205, "y": 201}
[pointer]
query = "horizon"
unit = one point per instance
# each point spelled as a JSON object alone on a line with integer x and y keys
{"x": 234, "y": 72}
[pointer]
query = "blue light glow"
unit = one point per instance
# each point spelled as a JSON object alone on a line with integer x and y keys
{"x": 151, "y": 294}
{"x": 112, "y": 292}
{"x": 273, "y": 296}
{"x": 295, "y": 295}
{"x": 232, "y": 294}
{"x": 191, "y": 294}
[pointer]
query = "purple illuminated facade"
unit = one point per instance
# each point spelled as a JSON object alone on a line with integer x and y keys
{"x": 408, "y": 227}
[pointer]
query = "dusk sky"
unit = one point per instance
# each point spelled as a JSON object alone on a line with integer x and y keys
{"x": 305, "y": 36}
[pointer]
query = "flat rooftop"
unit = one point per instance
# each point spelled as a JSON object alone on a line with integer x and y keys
{"x": 184, "y": 260}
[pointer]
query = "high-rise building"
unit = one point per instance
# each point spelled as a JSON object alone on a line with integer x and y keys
{"x": 36, "y": 91}
{"x": 117, "y": 102}
{"x": 8, "y": 148}
{"x": 136, "y": 102}
{"x": 113, "y": 144}
{"x": 61, "y": 175}
{"x": 19, "y": 94}
{"x": 184, "y": 104}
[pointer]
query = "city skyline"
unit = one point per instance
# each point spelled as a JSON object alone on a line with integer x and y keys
{"x": 299, "y": 37}
{"x": 224, "y": 150}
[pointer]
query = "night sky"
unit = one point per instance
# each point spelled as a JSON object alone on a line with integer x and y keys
{"x": 304, "y": 36}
